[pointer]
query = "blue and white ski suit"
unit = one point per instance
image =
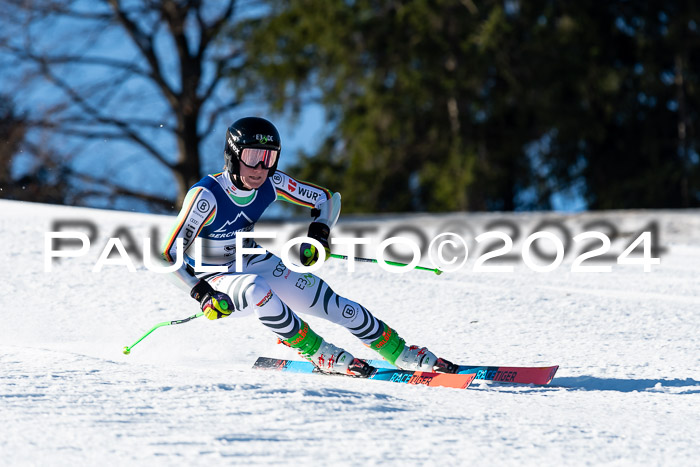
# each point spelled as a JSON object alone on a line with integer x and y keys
{"x": 215, "y": 211}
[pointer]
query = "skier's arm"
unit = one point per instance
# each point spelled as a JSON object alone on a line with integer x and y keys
{"x": 324, "y": 205}
{"x": 299, "y": 192}
{"x": 325, "y": 209}
{"x": 198, "y": 210}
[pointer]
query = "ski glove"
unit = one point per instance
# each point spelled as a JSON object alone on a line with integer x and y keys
{"x": 308, "y": 255}
{"x": 214, "y": 304}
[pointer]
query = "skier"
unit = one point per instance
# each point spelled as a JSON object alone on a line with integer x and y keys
{"x": 222, "y": 204}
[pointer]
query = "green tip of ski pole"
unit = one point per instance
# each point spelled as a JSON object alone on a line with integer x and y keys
{"x": 308, "y": 253}
{"x": 438, "y": 271}
{"x": 127, "y": 350}
{"x": 223, "y": 304}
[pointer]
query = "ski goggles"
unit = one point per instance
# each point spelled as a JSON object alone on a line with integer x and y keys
{"x": 252, "y": 157}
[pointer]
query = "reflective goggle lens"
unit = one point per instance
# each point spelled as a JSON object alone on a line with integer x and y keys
{"x": 252, "y": 157}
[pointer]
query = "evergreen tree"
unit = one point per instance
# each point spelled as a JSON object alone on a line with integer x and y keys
{"x": 441, "y": 105}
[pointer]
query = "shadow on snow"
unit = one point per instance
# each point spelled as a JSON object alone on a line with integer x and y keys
{"x": 591, "y": 383}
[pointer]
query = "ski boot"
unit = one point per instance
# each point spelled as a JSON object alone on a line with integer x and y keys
{"x": 360, "y": 368}
{"x": 394, "y": 350}
{"x": 416, "y": 358}
{"x": 421, "y": 359}
{"x": 325, "y": 356}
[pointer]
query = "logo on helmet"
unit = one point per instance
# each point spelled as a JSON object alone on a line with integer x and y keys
{"x": 232, "y": 144}
{"x": 264, "y": 139}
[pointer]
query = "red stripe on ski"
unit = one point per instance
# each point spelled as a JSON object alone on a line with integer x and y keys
{"x": 514, "y": 374}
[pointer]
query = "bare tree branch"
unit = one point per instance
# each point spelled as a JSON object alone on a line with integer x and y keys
{"x": 117, "y": 190}
{"x": 79, "y": 120}
{"x": 123, "y": 126}
{"x": 214, "y": 114}
{"x": 210, "y": 32}
{"x": 81, "y": 91}
{"x": 223, "y": 69}
{"x": 131, "y": 67}
{"x": 145, "y": 44}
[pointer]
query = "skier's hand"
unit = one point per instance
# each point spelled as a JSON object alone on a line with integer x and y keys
{"x": 308, "y": 254}
{"x": 214, "y": 304}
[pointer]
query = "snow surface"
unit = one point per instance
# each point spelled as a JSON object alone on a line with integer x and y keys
{"x": 627, "y": 391}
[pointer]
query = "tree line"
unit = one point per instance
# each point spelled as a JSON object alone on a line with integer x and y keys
{"x": 430, "y": 105}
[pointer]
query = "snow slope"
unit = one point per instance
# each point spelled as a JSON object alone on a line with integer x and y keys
{"x": 627, "y": 392}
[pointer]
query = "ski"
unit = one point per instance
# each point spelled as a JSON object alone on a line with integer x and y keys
{"x": 501, "y": 374}
{"x": 392, "y": 375}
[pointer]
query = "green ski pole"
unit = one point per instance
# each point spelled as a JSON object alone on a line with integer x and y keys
{"x": 392, "y": 263}
{"x": 127, "y": 349}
